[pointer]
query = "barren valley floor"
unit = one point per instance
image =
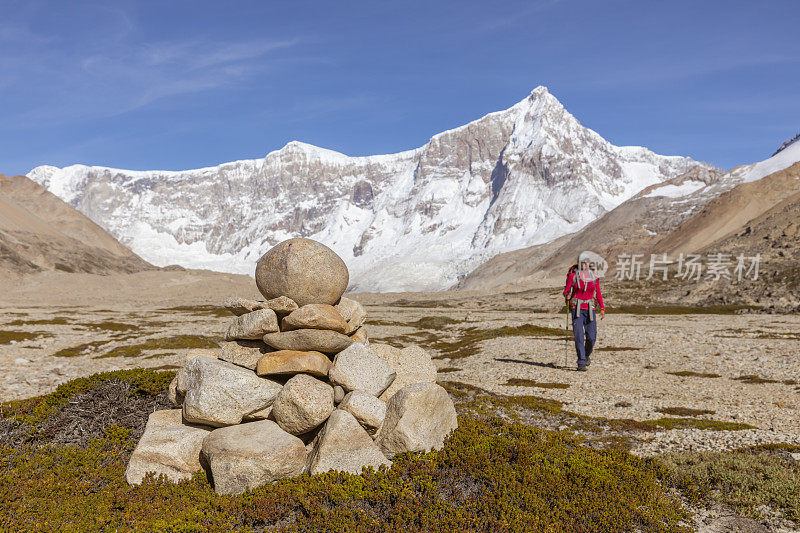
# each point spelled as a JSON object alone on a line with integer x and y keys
{"x": 727, "y": 369}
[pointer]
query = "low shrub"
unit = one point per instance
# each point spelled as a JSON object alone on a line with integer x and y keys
{"x": 491, "y": 475}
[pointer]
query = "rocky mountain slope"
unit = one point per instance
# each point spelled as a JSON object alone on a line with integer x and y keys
{"x": 39, "y": 232}
{"x": 415, "y": 220}
{"x": 751, "y": 209}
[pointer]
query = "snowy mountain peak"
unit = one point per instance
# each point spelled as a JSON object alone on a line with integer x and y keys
{"x": 414, "y": 220}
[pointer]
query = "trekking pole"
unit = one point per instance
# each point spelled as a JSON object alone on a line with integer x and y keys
{"x": 566, "y": 340}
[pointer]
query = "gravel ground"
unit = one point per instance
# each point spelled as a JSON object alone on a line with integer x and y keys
{"x": 629, "y": 377}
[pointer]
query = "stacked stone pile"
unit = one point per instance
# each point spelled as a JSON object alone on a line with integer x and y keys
{"x": 296, "y": 387}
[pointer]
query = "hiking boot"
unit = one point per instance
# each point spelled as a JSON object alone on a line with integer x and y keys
{"x": 588, "y": 362}
{"x": 582, "y": 368}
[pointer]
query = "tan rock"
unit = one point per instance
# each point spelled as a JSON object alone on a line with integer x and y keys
{"x": 303, "y": 404}
{"x": 315, "y": 316}
{"x": 240, "y": 306}
{"x": 252, "y": 325}
{"x": 218, "y": 393}
{"x": 360, "y": 335}
{"x": 201, "y": 352}
{"x": 366, "y": 408}
{"x": 304, "y": 270}
{"x": 353, "y": 312}
{"x": 356, "y": 368}
{"x": 418, "y": 418}
{"x": 250, "y": 455}
{"x": 168, "y": 446}
{"x": 306, "y": 340}
{"x": 244, "y": 353}
{"x": 290, "y": 362}
{"x": 412, "y": 365}
{"x": 343, "y": 445}
{"x": 338, "y": 394}
{"x": 175, "y": 398}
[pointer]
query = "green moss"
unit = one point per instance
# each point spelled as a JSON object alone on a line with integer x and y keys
{"x": 491, "y": 475}
{"x": 684, "y": 411}
{"x": 8, "y": 336}
{"x": 177, "y": 342}
{"x": 752, "y": 379}
{"x": 110, "y": 325}
{"x": 467, "y": 343}
{"x": 206, "y": 310}
{"x": 746, "y": 479}
{"x": 80, "y": 349}
{"x": 697, "y": 423}
{"x": 56, "y": 321}
{"x": 448, "y": 369}
{"x": 692, "y": 374}
{"x": 433, "y": 322}
{"x": 520, "y": 382}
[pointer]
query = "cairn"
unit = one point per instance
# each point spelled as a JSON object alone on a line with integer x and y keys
{"x": 296, "y": 387}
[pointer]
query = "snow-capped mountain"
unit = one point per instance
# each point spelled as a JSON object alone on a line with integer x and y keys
{"x": 415, "y": 220}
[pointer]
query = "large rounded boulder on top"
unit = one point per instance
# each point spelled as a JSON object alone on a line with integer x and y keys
{"x": 418, "y": 418}
{"x": 304, "y": 270}
{"x": 250, "y": 455}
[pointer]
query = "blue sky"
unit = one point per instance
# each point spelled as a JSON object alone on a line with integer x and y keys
{"x": 175, "y": 85}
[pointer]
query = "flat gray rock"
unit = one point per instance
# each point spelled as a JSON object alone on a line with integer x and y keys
{"x": 304, "y": 270}
{"x": 168, "y": 446}
{"x": 418, "y": 419}
{"x": 303, "y": 404}
{"x": 412, "y": 365}
{"x": 244, "y": 353}
{"x": 250, "y": 455}
{"x": 252, "y": 326}
{"x": 218, "y": 393}
{"x": 315, "y": 316}
{"x": 240, "y": 306}
{"x": 343, "y": 445}
{"x": 306, "y": 340}
{"x": 353, "y": 312}
{"x": 356, "y": 368}
{"x": 366, "y": 408}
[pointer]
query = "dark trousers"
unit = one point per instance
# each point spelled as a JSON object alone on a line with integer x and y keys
{"x": 585, "y": 333}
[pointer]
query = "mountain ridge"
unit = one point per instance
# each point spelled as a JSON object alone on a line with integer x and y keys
{"x": 418, "y": 219}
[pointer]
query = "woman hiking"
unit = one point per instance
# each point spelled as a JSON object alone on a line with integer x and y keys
{"x": 580, "y": 293}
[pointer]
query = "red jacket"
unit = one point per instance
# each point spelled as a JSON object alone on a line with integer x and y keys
{"x": 584, "y": 290}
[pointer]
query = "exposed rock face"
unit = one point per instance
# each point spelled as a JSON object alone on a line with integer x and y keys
{"x": 510, "y": 179}
{"x": 218, "y": 393}
{"x": 356, "y": 368}
{"x": 250, "y": 455}
{"x": 303, "y": 404}
{"x": 244, "y": 353}
{"x": 345, "y": 446}
{"x": 252, "y": 326}
{"x": 315, "y": 316}
{"x": 307, "y": 340}
{"x": 353, "y": 312}
{"x": 167, "y": 447}
{"x": 240, "y": 306}
{"x": 418, "y": 418}
{"x": 304, "y": 270}
{"x": 366, "y": 408}
{"x": 412, "y": 364}
{"x": 290, "y": 362}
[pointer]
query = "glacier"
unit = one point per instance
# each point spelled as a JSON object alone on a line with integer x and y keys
{"x": 418, "y": 220}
